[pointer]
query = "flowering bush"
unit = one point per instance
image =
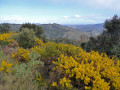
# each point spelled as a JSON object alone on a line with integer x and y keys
{"x": 38, "y": 42}
{"x": 21, "y": 55}
{"x": 5, "y": 67}
{"x": 90, "y": 70}
{"x": 75, "y": 68}
{"x": 51, "y": 49}
{"x": 54, "y": 84}
{"x": 65, "y": 83}
{"x": 6, "y": 36}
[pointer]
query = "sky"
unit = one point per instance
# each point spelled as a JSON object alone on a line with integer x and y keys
{"x": 58, "y": 11}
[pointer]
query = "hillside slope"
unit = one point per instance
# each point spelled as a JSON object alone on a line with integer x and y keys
{"x": 94, "y": 29}
{"x": 53, "y": 31}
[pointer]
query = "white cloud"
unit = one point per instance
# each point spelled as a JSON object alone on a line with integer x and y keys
{"x": 65, "y": 17}
{"x": 86, "y": 18}
{"x": 13, "y": 19}
{"x": 20, "y": 19}
{"x": 76, "y": 16}
{"x": 74, "y": 19}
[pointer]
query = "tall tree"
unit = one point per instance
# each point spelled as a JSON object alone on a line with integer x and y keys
{"x": 113, "y": 25}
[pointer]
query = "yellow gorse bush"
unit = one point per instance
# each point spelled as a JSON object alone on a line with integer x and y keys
{"x": 97, "y": 71}
{"x": 54, "y": 84}
{"x": 88, "y": 70}
{"x": 6, "y": 36}
{"x": 52, "y": 49}
{"x": 5, "y": 67}
{"x": 21, "y": 55}
{"x": 38, "y": 42}
{"x": 65, "y": 83}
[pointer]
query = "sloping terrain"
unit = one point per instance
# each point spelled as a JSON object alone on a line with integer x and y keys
{"x": 53, "y": 31}
{"x": 94, "y": 29}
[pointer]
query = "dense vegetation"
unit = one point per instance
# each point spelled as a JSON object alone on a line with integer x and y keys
{"x": 109, "y": 41}
{"x": 4, "y": 28}
{"x": 28, "y": 63}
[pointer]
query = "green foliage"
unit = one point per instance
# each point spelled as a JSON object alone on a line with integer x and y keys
{"x": 26, "y": 69}
{"x": 116, "y": 50}
{"x": 67, "y": 41}
{"x": 2, "y": 56}
{"x": 23, "y": 76}
{"x": 43, "y": 38}
{"x": 4, "y": 28}
{"x": 107, "y": 42}
{"x": 40, "y": 81}
{"x": 26, "y": 38}
{"x": 37, "y": 29}
{"x": 3, "y": 43}
{"x": 113, "y": 25}
{"x": 50, "y": 52}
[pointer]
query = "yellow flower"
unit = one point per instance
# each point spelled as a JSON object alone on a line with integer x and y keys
{"x": 13, "y": 55}
{"x": 88, "y": 88}
{"x": 5, "y": 66}
{"x": 21, "y": 55}
{"x": 54, "y": 84}
{"x": 39, "y": 77}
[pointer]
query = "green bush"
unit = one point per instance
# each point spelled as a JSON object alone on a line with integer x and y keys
{"x": 25, "y": 69}
{"x": 50, "y": 52}
{"x": 37, "y": 29}
{"x": 116, "y": 50}
{"x": 4, "y": 28}
{"x": 26, "y": 38}
{"x": 3, "y": 43}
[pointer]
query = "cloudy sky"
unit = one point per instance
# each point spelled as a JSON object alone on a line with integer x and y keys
{"x": 58, "y": 11}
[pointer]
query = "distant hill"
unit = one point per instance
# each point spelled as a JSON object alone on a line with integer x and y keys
{"x": 15, "y": 27}
{"x": 74, "y": 32}
{"x": 94, "y": 29}
{"x": 53, "y": 31}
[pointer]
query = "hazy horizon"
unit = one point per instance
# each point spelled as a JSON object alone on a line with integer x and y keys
{"x": 58, "y": 11}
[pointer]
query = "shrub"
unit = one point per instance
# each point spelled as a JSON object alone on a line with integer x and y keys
{"x": 6, "y": 37}
{"x": 4, "y": 28}
{"x": 89, "y": 71}
{"x": 50, "y": 52}
{"x": 5, "y": 67}
{"x": 38, "y": 42}
{"x": 26, "y": 38}
{"x": 22, "y": 55}
{"x": 30, "y": 69}
{"x": 36, "y": 29}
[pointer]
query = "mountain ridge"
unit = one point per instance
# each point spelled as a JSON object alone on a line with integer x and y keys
{"x": 53, "y": 31}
